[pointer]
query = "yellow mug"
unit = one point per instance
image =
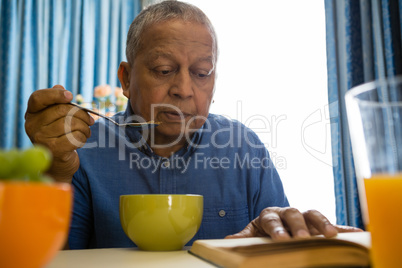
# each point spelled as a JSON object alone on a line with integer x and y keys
{"x": 161, "y": 222}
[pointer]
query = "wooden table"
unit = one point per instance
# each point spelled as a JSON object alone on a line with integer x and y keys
{"x": 125, "y": 257}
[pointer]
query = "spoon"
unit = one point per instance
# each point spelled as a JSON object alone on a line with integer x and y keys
{"x": 136, "y": 124}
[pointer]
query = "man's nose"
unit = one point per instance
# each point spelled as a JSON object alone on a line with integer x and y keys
{"x": 182, "y": 86}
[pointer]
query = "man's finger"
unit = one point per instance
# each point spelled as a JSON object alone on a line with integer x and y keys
{"x": 56, "y": 112}
{"x": 246, "y": 232}
{"x": 62, "y": 127}
{"x": 43, "y": 98}
{"x": 58, "y": 86}
{"x": 66, "y": 143}
{"x": 253, "y": 229}
{"x": 294, "y": 221}
{"x": 271, "y": 224}
{"x": 320, "y": 222}
{"x": 347, "y": 229}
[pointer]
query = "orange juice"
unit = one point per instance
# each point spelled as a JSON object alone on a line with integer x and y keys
{"x": 384, "y": 202}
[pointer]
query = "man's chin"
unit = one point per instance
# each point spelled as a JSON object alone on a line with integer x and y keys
{"x": 171, "y": 132}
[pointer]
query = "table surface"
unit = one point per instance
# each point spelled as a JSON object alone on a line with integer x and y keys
{"x": 125, "y": 257}
{"x": 133, "y": 257}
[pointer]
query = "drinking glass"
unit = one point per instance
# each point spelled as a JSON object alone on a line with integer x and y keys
{"x": 374, "y": 112}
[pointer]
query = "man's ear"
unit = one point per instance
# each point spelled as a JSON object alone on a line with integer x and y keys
{"x": 124, "y": 77}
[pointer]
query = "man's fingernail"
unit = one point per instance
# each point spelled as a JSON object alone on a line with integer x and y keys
{"x": 281, "y": 234}
{"x": 91, "y": 120}
{"x": 68, "y": 95}
{"x": 302, "y": 234}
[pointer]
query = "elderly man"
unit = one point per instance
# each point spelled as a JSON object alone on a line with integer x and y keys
{"x": 169, "y": 78}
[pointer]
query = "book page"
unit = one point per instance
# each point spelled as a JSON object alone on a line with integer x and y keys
{"x": 362, "y": 238}
{"x": 343, "y": 250}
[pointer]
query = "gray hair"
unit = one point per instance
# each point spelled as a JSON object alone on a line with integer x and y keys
{"x": 163, "y": 11}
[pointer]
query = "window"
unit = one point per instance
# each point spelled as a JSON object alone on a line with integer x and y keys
{"x": 272, "y": 76}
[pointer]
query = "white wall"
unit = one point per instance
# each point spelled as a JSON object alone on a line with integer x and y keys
{"x": 272, "y": 76}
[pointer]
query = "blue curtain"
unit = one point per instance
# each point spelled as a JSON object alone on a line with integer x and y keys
{"x": 363, "y": 44}
{"x": 76, "y": 43}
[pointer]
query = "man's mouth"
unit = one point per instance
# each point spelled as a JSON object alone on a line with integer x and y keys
{"x": 175, "y": 115}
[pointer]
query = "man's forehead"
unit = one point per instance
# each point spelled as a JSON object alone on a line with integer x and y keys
{"x": 160, "y": 53}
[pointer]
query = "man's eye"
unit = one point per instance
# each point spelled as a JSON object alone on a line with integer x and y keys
{"x": 163, "y": 70}
{"x": 202, "y": 74}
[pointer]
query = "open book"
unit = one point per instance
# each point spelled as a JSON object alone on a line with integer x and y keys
{"x": 345, "y": 250}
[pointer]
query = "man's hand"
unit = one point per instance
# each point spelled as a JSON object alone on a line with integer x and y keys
{"x": 284, "y": 223}
{"x": 50, "y": 121}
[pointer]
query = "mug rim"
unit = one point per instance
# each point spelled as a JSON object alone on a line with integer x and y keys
{"x": 162, "y": 195}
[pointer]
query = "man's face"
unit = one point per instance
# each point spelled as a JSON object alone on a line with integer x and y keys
{"x": 174, "y": 69}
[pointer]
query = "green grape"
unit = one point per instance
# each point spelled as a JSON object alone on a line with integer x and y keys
{"x": 39, "y": 178}
{"x": 35, "y": 160}
{"x": 8, "y": 163}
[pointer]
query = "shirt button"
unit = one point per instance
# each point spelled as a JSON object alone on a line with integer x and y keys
{"x": 222, "y": 213}
{"x": 166, "y": 164}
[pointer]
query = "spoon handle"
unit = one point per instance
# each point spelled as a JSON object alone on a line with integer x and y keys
{"x": 95, "y": 113}
{"x": 136, "y": 124}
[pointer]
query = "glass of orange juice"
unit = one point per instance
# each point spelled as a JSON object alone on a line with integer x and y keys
{"x": 374, "y": 112}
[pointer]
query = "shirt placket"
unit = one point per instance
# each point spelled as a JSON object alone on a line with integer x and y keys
{"x": 166, "y": 177}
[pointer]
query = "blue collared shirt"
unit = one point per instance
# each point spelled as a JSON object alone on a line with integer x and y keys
{"x": 224, "y": 161}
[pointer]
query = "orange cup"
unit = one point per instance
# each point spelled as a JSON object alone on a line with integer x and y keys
{"x": 34, "y": 222}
